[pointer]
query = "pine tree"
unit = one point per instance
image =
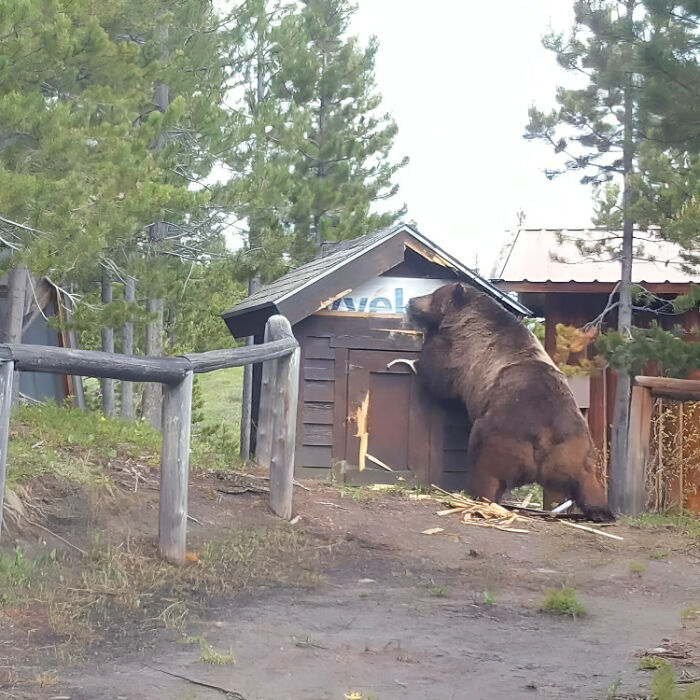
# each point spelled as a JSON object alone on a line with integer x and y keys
{"x": 599, "y": 128}
{"x": 343, "y": 165}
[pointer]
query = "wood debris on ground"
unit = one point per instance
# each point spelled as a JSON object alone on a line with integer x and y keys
{"x": 485, "y": 513}
{"x": 481, "y": 513}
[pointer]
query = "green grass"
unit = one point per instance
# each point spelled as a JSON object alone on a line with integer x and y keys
{"x": 652, "y": 663}
{"x": 216, "y": 434}
{"x": 664, "y": 686}
{"x": 221, "y": 397}
{"x": 637, "y": 567}
{"x": 562, "y": 601}
{"x": 73, "y": 444}
{"x": 687, "y": 523}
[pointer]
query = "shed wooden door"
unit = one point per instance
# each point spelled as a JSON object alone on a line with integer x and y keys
{"x": 396, "y": 416}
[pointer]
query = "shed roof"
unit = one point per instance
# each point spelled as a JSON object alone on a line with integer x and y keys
{"x": 342, "y": 267}
{"x": 551, "y": 255}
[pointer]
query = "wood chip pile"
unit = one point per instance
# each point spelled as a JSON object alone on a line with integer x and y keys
{"x": 481, "y": 513}
{"x": 485, "y": 513}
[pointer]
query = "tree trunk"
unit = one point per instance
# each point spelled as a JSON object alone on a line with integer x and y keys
{"x": 128, "y": 408}
{"x": 619, "y": 462}
{"x": 16, "y": 293}
{"x": 76, "y": 380}
{"x": 108, "y": 400}
{"x": 153, "y": 392}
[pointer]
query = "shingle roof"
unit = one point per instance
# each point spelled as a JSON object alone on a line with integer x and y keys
{"x": 315, "y": 269}
{"x": 551, "y": 255}
{"x": 326, "y": 275}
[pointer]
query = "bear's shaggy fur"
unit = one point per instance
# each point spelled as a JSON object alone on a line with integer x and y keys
{"x": 526, "y": 426}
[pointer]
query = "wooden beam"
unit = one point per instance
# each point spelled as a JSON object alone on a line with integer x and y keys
{"x": 236, "y": 357}
{"x": 284, "y": 421}
{"x": 137, "y": 368}
{"x": 265, "y": 428}
{"x": 6, "y": 378}
{"x": 174, "y": 470}
{"x": 90, "y": 363}
{"x": 679, "y": 389}
{"x": 587, "y": 287}
{"x": 633, "y": 493}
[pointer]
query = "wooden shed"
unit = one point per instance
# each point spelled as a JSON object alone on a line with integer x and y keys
{"x": 363, "y": 412}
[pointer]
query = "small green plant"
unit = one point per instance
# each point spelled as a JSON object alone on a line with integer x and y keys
{"x": 665, "y": 687}
{"x": 690, "y": 614}
{"x": 209, "y": 654}
{"x": 17, "y": 573}
{"x": 562, "y": 601}
{"x": 489, "y": 598}
{"x": 637, "y": 567}
{"x": 438, "y": 591}
{"x": 612, "y": 690}
{"x": 652, "y": 663}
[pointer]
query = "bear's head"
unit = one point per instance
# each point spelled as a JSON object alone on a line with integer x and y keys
{"x": 430, "y": 310}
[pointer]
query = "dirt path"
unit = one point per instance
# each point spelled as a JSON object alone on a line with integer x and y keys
{"x": 403, "y": 615}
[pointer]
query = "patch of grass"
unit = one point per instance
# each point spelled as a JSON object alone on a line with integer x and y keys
{"x": 127, "y": 582}
{"x": 562, "y": 601}
{"x": 637, "y": 567}
{"x": 687, "y": 523}
{"x": 438, "y": 591}
{"x": 520, "y": 493}
{"x": 18, "y": 574}
{"x": 664, "y": 686}
{"x": 652, "y": 663}
{"x": 209, "y": 654}
{"x": 216, "y": 437}
{"x": 359, "y": 493}
{"x": 73, "y": 444}
{"x": 489, "y": 598}
{"x": 690, "y": 614}
{"x": 660, "y": 555}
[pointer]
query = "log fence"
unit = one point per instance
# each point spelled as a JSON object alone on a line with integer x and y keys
{"x": 644, "y": 391}
{"x": 280, "y": 357}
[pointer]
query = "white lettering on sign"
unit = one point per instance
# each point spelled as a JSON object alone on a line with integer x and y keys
{"x": 387, "y": 295}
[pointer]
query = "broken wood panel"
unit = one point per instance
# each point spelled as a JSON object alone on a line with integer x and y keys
{"x": 317, "y": 435}
{"x": 419, "y": 437}
{"x": 319, "y": 413}
{"x": 318, "y": 392}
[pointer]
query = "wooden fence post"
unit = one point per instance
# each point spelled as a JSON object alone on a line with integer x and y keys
{"x": 633, "y": 496}
{"x": 263, "y": 444}
{"x": 283, "y": 420}
{"x": 174, "y": 470}
{"x": 6, "y": 377}
{"x": 108, "y": 398}
{"x": 128, "y": 409}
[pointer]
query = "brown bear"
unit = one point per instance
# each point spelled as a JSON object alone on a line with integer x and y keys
{"x": 526, "y": 426}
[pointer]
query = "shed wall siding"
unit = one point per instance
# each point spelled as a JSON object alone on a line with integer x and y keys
{"x": 315, "y": 419}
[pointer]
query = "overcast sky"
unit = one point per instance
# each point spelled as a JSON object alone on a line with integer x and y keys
{"x": 459, "y": 77}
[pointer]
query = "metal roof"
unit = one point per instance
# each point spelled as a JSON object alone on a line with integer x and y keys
{"x": 551, "y": 255}
{"x": 340, "y": 268}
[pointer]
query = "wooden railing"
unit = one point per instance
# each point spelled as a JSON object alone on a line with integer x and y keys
{"x": 280, "y": 355}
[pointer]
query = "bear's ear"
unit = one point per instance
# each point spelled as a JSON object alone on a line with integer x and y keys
{"x": 461, "y": 291}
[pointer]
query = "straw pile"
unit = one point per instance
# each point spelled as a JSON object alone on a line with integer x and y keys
{"x": 483, "y": 513}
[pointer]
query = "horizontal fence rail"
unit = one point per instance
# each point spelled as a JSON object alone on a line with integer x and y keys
{"x": 138, "y": 368}
{"x": 280, "y": 355}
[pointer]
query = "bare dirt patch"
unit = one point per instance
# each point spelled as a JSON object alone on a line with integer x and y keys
{"x": 364, "y": 603}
